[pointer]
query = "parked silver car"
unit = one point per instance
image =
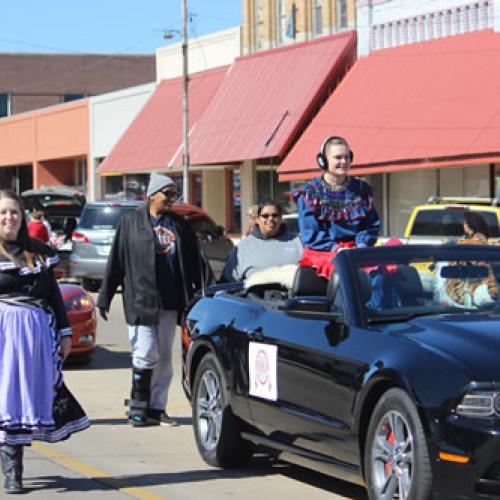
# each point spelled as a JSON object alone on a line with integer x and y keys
{"x": 93, "y": 237}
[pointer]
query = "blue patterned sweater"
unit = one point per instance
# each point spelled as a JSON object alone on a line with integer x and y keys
{"x": 327, "y": 217}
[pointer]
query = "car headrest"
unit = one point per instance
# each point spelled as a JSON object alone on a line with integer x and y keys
{"x": 307, "y": 282}
{"x": 408, "y": 285}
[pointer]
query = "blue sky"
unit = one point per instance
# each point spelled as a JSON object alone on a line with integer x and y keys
{"x": 104, "y": 26}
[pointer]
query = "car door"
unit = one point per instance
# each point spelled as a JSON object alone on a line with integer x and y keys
{"x": 316, "y": 379}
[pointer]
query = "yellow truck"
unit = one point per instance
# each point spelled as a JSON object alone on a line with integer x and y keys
{"x": 441, "y": 219}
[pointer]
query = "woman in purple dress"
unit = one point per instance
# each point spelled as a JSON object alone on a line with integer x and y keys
{"x": 35, "y": 338}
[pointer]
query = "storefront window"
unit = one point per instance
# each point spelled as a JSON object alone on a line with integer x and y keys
{"x": 113, "y": 187}
{"x": 406, "y": 190}
{"x": 268, "y": 188}
{"x": 136, "y": 186}
{"x": 17, "y": 179}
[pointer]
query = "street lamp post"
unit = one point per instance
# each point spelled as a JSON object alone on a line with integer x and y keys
{"x": 185, "y": 105}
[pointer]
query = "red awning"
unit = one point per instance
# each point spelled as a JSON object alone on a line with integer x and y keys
{"x": 154, "y": 139}
{"x": 425, "y": 105}
{"x": 265, "y": 99}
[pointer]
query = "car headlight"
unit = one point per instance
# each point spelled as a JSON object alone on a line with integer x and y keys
{"x": 480, "y": 404}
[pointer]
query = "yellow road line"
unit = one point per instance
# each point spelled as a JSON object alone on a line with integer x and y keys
{"x": 93, "y": 473}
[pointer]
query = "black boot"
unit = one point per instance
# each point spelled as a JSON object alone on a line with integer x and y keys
{"x": 12, "y": 466}
{"x": 139, "y": 397}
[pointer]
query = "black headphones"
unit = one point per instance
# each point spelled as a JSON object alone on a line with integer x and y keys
{"x": 321, "y": 156}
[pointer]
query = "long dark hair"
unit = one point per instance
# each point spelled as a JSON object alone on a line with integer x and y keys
{"x": 23, "y": 239}
{"x": 476, "y": 222}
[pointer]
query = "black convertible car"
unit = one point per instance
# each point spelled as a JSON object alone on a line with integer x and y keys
{"x": 387, "y": 375}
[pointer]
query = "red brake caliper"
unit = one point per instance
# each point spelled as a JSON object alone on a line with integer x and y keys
{"x": 390, "y": 439}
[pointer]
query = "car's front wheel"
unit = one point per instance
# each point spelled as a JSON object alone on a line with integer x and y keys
{"x": 216, "y": 429}
{"x": 396, "y": 457}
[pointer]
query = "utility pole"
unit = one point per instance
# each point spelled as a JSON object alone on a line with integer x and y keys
{"x": 185, "y": 105}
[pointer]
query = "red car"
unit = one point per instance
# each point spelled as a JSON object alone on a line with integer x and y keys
{"x": 81, "y": 311}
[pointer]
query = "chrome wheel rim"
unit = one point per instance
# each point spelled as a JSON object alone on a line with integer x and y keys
{"x": 209, "y": 410}
{"x": 392, "y": 455}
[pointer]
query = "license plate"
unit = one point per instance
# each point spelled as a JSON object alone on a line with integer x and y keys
{"x": 103, "y": 249}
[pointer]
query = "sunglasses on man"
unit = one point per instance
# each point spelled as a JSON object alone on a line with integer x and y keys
{"x": 273, "y": 215}
{"x": 168, "y": 193}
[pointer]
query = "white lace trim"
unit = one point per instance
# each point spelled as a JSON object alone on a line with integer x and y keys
{"x": 50, "y": 261}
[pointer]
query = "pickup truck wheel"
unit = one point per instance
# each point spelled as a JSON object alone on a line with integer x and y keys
{"x": 216, "y": 429}
{"x": 396, "y": 457}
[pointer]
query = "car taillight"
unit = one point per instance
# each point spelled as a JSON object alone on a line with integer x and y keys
{"x": 80, "y": 302}
{"x": 79, "y": 238}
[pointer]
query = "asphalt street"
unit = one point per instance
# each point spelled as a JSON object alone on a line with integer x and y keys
{"x": 113, "y": 460}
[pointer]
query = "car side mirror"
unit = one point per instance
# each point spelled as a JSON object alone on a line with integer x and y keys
{"x": 311, "y": 308}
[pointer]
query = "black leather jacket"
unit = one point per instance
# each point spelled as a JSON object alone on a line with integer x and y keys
{"x": 131, "y": 263}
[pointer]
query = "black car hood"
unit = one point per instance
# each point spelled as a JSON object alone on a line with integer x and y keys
{"x": 473, "y": 341}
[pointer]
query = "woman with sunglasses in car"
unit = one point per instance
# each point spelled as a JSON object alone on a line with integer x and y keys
{"x": 269, "y": 245}
{"x": 35, "y": 338}
{"x": 335, "y": 210}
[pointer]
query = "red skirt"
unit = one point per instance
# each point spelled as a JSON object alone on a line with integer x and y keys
{"x": 321, "y": 261}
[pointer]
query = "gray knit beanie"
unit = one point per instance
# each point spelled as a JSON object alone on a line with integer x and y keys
{"x": 157, "y": 182}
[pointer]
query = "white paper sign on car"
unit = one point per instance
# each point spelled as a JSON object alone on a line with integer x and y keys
{"x": 263, "y": 373}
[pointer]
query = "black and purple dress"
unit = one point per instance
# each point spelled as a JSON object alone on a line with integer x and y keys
{"x": 34, "y": 402}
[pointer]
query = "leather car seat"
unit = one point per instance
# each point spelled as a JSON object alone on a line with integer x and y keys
{"x": 307, "y": 282}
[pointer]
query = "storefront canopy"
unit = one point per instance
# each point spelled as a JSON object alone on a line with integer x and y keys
{"x": 424, "y": 105}
{"x": 265, "y": 99}
{"x": 154, "y": 139}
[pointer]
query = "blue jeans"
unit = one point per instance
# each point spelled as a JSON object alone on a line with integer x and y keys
{"x": 152, "y": 350}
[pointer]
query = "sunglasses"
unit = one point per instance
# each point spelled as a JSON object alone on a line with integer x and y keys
{"x": 274, "y": 216}
{"x": 169, "y": 194}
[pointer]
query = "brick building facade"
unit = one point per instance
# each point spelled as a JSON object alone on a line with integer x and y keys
{"x": 32, "y": 81}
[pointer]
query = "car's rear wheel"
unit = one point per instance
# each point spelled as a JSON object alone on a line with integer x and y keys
{"x": 216, "y": 429}
{"x": 91, "y": 285}
{"x": 396, "y": 457}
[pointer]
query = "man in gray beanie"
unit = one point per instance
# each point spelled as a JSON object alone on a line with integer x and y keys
{"x": 156, "y": 259}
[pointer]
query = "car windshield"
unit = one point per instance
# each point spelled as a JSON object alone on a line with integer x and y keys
{"x": 449, "y": 222}
{"x": 103, "y": 217}
{"x": 400, "y": 285}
